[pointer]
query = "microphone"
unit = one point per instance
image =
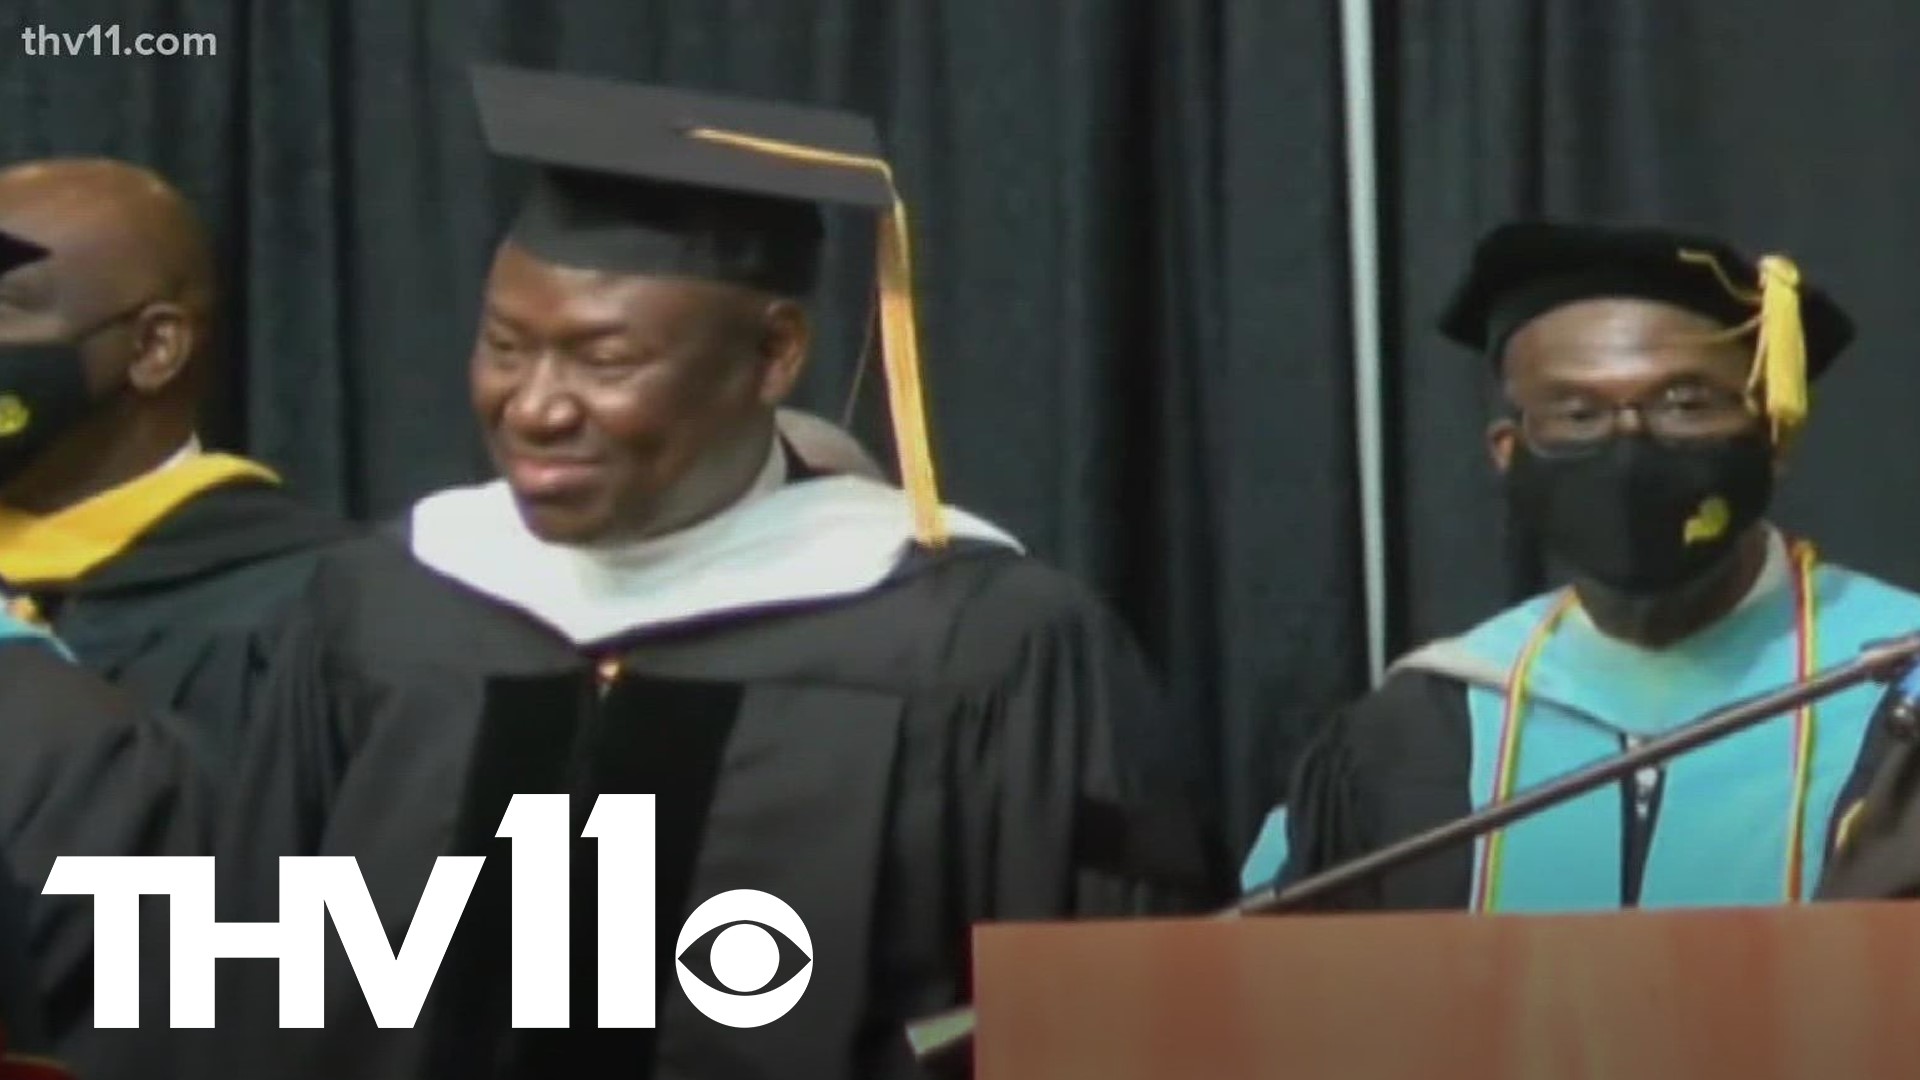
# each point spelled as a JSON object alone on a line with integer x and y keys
{"x": 1892, "y": 659}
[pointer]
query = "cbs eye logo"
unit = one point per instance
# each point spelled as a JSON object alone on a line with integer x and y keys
{"x": 744, "y": 958}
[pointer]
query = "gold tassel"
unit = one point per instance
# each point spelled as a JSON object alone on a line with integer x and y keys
{"x": 899, "y": 329}
{"x": 900, "y": 352}
{"x": 1780, "y": 359}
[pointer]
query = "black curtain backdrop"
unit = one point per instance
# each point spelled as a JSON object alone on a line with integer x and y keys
{"x": 1129, "y": 237}
{"x": 1131, "y": 244}
{"x": 1779, "y": 123}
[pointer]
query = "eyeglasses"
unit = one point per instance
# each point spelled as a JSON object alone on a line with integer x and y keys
{"x": 1687, "y": 411}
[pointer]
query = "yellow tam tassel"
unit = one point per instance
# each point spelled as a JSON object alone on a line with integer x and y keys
{"x": 1782, "y": 359}
{"x": 900, "y": 351}
{"x": 899, "y": 328}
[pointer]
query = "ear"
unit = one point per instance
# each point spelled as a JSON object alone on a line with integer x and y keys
{"x": 785, "y": 339}
{"x": 1500, "y": 439}
{"x": 164, "y": 340}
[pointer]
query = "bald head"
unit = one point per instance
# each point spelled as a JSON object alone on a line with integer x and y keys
{"x": 128, "y": 286}
{"x": 120, "y": 239}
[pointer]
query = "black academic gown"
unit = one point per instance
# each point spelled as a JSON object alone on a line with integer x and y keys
{"x": 975, "y": 740}
{"x": 1396, "y": 764}
{"x": 1392, "y": 765}
{"x": 1875, "y": 840}
{"x": 25, "y": 1048}
{"x": 85, "y": 769}
{"x": 185, "y": 616}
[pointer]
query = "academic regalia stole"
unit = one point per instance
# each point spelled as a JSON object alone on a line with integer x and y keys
{"x": 1725, "y": 813}
{"x": 62, "y": 547}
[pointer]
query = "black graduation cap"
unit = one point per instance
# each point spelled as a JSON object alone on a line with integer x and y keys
{"x": 1523, "y": 270}
{"x": 641, "y": 179}
{"x": 16, "y": 252}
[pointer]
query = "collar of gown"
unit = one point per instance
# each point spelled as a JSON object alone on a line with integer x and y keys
{"x": 782, "y": 544}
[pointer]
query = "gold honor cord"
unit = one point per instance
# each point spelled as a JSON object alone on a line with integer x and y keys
{"x": 1780, "y": 362}
{"x": 899, "y": 338}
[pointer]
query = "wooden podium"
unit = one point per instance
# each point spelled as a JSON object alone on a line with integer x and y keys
{"x": 1821, "y": 992}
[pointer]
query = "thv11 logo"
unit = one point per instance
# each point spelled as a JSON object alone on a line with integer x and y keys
{"x": 752, "y": 938}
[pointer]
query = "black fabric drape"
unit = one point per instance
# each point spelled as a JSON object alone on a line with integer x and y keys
{"x": 1775, "y": 122}
{"x": 1257, "y": 491}
{"x": 1131, "y": 248}
{"x": 1129, "y": 239}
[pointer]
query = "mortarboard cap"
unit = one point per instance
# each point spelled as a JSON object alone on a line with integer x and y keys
{"x": 642, "y": 179}
{"x": 1524, "y": 270}
{"x": 16, "y": 252}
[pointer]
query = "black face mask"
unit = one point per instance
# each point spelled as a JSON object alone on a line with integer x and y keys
{"x": 43, "y": 395}
{"x": 1642, "y": 516}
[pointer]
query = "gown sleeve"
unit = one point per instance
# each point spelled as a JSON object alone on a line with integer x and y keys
{"x": 23, "y": 1027}
{"x": 1393, "y": 764}
{"x": 1875, "y": 842}
{"x": 211, "y": 675}
{"x": 351, "y": 726}
{"x": 187, "y": 616}
{"x": 225, "y": 690}
{"x": 1078, "y": 793}
{"x": 288, "y": 768}
{"x": 87, "y": 770}
{"x": 314, "y": 766}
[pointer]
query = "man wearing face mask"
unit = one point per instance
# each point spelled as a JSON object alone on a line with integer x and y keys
{"x": 85, "y": 769}
{"x": 23, "y": 1020}
{"x": 1653, "y": 384}
{"x": 162, "y": 566}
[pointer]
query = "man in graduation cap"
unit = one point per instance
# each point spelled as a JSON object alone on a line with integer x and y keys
{"x": 869, "y": 705}
{"x": 85, "y": 769}
{"x": 160, "y": 564}
{"x": 1653, "y": 384}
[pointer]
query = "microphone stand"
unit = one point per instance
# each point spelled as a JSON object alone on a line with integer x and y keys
{"x": 936, "y": 1036}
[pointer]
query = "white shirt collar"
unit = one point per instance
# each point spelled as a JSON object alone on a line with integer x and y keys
{"x": 181, "y": 456}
